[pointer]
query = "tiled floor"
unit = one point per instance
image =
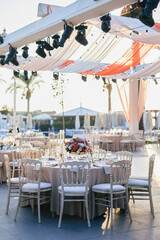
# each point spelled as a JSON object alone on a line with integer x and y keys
{"x": 142, "y": 227}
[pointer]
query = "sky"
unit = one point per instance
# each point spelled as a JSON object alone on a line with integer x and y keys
{"x": 15, "y": 15}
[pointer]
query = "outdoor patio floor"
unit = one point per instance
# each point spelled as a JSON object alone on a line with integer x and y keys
{"x": 142, "y": 227}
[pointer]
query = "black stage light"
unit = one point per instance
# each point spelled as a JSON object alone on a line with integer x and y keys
{"x": 25, "y": 75}
{"x": 66, "y": 34}
{"x": 1, "y": 40}
{"x": 2, "y": 60}
{"x": 25, "y": 52}
{"x": 34, "y": 73}
{"x": 97, "y": 77}
{"x": 84, "y": 78}
{"x": 147, "y": 6}
{"x": 16, "y": 73}
{"x": 104, "y": 80}
{"x": 47, "y": 46}
{"x": 106, "y": 23}
{"x": 12, "y": 57}
{"x": 56, "y": 75}
{"x": 40, "y": 50}
{"x": 81, "y": 34}
{"x": 55, "y": 43}
{"x": 114, "y": 80}
{"x": 154, "y": 79}
{"x": 41, "y": 46}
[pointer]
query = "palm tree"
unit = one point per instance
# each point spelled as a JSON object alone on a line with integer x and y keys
{"x": 107, "y": 85}
{"x": 27, "y": 85}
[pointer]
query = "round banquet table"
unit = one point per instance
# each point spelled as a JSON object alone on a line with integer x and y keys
{"x": 96, "y": 176}
{"x": 3, "y": 172}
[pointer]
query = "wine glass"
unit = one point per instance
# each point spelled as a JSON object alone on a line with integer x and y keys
{"x": 109, "y": 155}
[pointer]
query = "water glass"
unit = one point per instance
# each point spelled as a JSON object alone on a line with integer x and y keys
{"x": 108, "y": 154}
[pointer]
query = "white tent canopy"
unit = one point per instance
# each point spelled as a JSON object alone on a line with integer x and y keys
{"x": 42, "y": 116}
{"x": 81, "y": 112}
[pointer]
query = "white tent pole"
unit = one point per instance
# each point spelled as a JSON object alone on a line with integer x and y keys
{"x": 14, "y": 107}
{"x": 133, "y": 106}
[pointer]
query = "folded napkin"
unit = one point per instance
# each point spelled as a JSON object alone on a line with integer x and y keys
{"x": 107, "y": 169}
{"x": 74, "y": 169}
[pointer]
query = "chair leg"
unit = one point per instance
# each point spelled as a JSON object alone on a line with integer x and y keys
{"x": 19, "y": 199}
{"x": 32, "y": 203}
{"x": 84, "y": 212}
{"x": 131, "y": 193}
{"x": 87, "y": 211}
{"x": 1, "y": 174}
{"x": 111, "y": 210}
{"x": 128, "y": 207}
{"x": 151, "y": 202}
{"x": 61, "y": 211}
{"x": 8, "y": 198}
{"x": 93, "y": 205}
{"x": 39, "y": 208}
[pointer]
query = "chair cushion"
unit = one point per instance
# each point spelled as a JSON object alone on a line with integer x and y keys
{"x": 73, "y": 189}
{"x": 139, "y": 177}
{"x": 105, "y": 187}
{"x": 13, "y": 163}
{"x": 34, "y": 186}
{"x": 137, "y": 182}
{"x": 14, "y": 180}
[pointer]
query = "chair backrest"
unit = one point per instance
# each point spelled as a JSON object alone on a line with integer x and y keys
{"x": 30, "y": 171}
{"x": 18, "y": 152}
{"x": 124, "y": 155}
{"x": 151, "y": 166}
{"x": 7, "y": 166}
{"x": 74, "y": 173}
{"x": 33, "y": 153}
{"x": 119, "y": 172}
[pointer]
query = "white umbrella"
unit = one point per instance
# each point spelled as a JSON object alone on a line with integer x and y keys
{"x": 98, "y": 121}
{"x": 106, "y": 121}
{"x": 121, "y": 119}
{"x": 20, "y": 121}
{"x": 77, "y": 122}
{"x": 29, "y": 121}
{"x": 114, "y": 120}
{"x": 87, "y": 121}
{"x": 148, "y": 121}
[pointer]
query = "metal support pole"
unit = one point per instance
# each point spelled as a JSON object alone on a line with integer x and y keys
{"x": 14, "y": 107}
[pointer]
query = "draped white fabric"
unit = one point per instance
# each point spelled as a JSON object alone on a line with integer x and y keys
{"x": 91, "y": 58}
{"x": 94, "y": 55}
{"x": 143, "y": 87}
{"x": 124, "y": 99}
{"x": 142, "y": 97}
{"x": 131, "y": 28}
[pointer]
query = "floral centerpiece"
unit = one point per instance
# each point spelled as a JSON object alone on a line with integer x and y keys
{"x": 78, "y": 145}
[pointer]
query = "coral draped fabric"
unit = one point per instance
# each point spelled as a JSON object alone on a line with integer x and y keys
{"x": 132, "y": 57}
